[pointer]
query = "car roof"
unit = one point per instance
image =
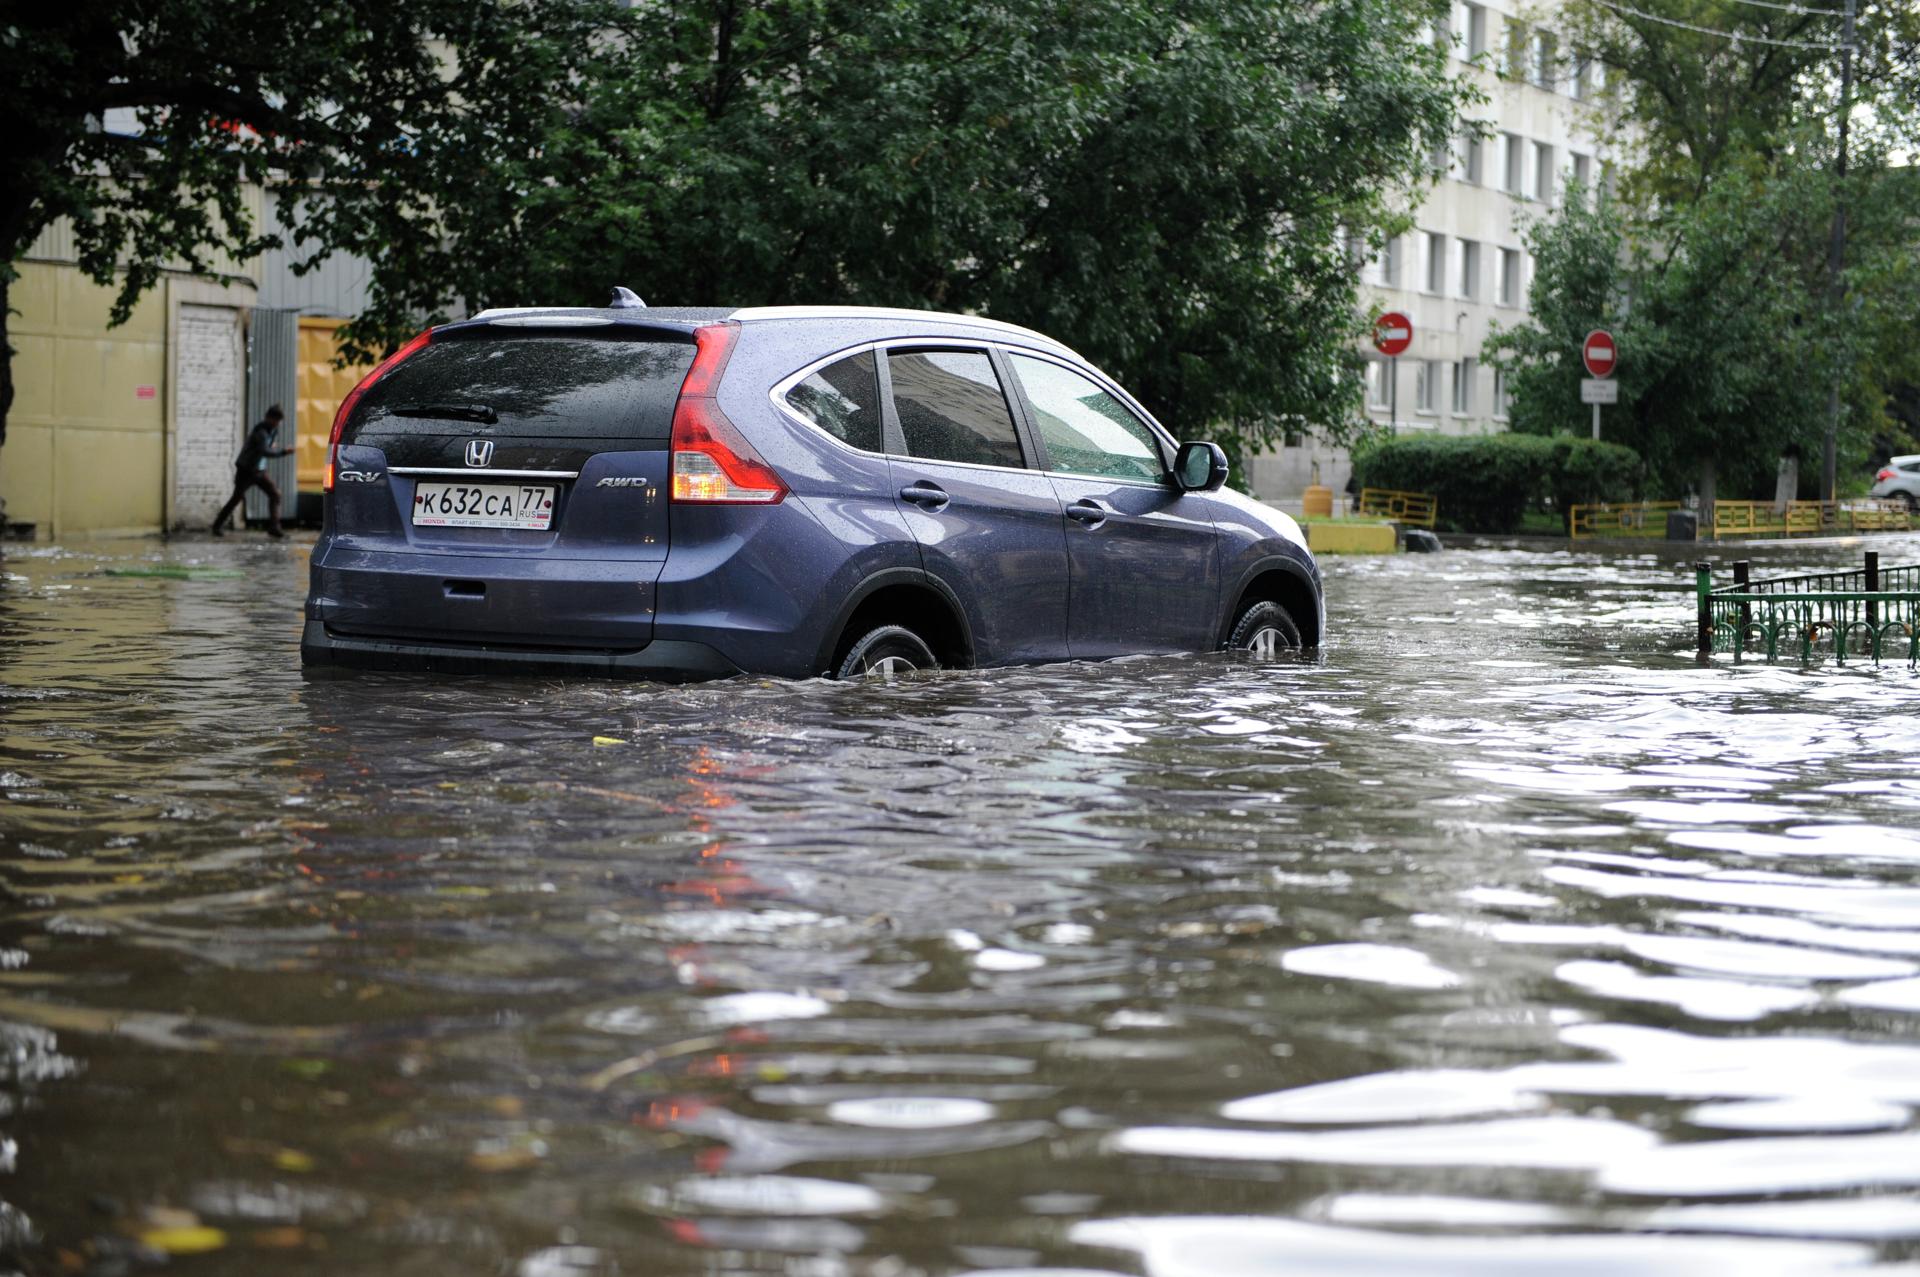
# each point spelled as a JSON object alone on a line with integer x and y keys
{"x": 693, "y": 316}
{"x": 1901, "y": 461}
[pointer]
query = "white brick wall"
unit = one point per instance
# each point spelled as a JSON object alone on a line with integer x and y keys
{"x": 209, "y": 380}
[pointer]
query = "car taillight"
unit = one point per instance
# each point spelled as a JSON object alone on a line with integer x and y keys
{"x": 384, "y": 367}
{"x": 1885, "y": 474}
{"x": 712, "y": 462}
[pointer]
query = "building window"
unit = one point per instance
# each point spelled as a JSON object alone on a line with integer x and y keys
{"x": 1513, "y": 49}
{"x": 1516, "y": 150}
{"x": 1469, "y": 268}
{"x": 1583, "y": 173}
{"x": 1388, "y": 263}
{"x": 1545, "y": 53}
{"x": 1509, "y": 277}
{"x": 1436, "y": 262}
{"x": 1582, "y": 80}
{"x": 1500, "y": 393}
{"x": 1476, "y": 29}
{"x": 1470, "y": 158}
{"x": 1462, "y": 387}
{"x": 1426, "y": 386}
{"x": 1542, "y": 173}
{"x": 1378, "y": 370}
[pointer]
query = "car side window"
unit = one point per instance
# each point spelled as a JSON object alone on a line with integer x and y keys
{"x": 1085, "y": 429}
{"x": 843, "y": 399}
{"x": 951, "y": 407}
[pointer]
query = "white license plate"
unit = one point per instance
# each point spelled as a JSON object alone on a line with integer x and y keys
{"x": 482, "y": 505}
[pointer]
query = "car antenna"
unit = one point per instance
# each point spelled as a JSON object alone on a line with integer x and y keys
{"x": 625, "y": 299}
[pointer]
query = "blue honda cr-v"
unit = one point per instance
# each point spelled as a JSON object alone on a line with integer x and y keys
{"x": 670, "y": 493}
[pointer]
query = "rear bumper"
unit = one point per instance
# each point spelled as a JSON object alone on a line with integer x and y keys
{"x": 664, "y": 660}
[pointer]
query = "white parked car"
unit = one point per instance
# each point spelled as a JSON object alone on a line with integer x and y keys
{"x": 1899, "y": 480}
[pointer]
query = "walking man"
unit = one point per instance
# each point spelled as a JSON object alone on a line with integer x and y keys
{"x": 250, "y": 471}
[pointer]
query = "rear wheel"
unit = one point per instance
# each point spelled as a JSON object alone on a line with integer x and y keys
{"x": 1265, "y": 630}
{"x": 886, "y": 652}
{"x": 1906, "y": 499}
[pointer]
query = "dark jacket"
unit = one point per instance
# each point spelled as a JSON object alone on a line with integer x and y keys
{"x": 259, "y": 446}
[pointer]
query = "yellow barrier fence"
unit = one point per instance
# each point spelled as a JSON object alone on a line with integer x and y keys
{"x": 1808, "y": 518}
{"x": 1741, "y": 519}
{"x": 1626, "y": 519}
{"x": 1419, "y": 509}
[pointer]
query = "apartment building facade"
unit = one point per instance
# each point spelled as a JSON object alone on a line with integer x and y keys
{"x": 1464, "y": 269}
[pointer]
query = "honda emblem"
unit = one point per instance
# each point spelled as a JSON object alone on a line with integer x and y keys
{"x": 479, "y": 452}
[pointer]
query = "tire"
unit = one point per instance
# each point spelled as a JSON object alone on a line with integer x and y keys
{"x": 1265, "y": 630}
{"x": 887, "y": 652}
{"x": 1906, "y": 499}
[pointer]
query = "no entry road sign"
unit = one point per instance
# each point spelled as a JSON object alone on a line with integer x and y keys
{"x": 1599, "y": 353}
{"x": 1392, "y": 333}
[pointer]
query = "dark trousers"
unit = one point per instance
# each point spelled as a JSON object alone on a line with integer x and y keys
{"x": 242, "y": 480}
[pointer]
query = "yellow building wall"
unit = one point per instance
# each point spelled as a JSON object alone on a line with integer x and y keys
{"x": 86, "y": 439}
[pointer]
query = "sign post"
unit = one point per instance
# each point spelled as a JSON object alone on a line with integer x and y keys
{"x": 1392, "y": 334}
{"x": 1601, "y": 357}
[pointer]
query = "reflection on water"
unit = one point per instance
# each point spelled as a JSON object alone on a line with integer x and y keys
{"x": 1505, "y": 939}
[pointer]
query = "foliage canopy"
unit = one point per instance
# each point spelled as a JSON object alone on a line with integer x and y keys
{"x": 1711, "y": 268}
{"x": 1170, "y": 188}
{"x": 1167, "y": 188}
{"x": 144, "y": 122}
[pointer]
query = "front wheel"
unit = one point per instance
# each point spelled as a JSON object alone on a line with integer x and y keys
{"x": 1265, "y": 630}
{"x": 887, "y": 652}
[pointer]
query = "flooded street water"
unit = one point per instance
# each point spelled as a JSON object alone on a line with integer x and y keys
{"x": 1503, "y": 939}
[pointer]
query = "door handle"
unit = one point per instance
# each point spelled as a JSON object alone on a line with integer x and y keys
{"x": 926, "y": 495}
{"x": 1087, "y": 512}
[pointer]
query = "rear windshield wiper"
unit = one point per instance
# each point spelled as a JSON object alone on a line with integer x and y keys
{"x": 447, "y": 411}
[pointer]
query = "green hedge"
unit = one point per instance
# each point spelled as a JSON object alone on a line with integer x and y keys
{"x": 1485, "y": 483}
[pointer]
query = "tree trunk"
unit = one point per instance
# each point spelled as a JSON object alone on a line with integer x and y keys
{"x": 6, "y": 372}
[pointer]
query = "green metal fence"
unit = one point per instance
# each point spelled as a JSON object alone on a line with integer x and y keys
{"x": 1869, "y": 611}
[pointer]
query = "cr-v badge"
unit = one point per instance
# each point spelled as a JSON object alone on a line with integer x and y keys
{"x": 479, "y": 452}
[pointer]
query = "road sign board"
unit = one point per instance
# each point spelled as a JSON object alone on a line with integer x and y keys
{"x": 1600, "y": 354}
{"x": 1599, "y": 390}
{"x": 1392, "y": 333}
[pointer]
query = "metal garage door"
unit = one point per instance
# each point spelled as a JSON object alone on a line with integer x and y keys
{"x": 270, "y": 380}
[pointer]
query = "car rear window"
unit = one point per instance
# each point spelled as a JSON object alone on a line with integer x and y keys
{"x": 532, "y": 387}
{"x": 843, "y": 399}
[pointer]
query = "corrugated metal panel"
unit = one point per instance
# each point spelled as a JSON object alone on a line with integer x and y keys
{"x": 271, "y": 379}
{"x": 338, "y": 286}
{"x": 55, "y": 243}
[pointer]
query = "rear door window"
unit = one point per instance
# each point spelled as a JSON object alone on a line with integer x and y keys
{"x": 530, "y": 388}
{"x": 1085, "y": 429}
{"x": 951, "y": 407}
{"x": 843, "y": 399}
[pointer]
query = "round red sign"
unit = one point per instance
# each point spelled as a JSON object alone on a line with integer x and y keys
{"x": 1392, "y": 333}
{"x": 1599, "y": 353}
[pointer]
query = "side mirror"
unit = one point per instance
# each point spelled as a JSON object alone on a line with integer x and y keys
{"x": 1200, "y": 467}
